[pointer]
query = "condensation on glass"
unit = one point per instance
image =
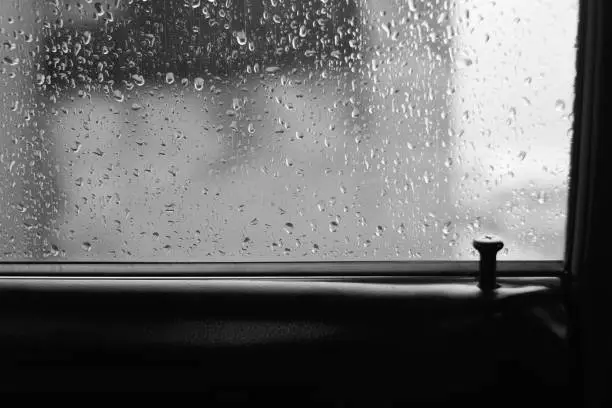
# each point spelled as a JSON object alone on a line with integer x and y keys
{"x": 226, "y": 130}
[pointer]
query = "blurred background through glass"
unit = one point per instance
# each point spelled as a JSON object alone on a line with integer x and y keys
{"x": 199, "y": 130}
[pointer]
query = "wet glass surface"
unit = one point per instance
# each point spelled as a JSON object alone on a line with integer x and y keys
{"x": 188, "y": 130}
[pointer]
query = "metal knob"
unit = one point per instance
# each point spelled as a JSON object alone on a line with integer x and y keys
{"x": 488, "y": 246}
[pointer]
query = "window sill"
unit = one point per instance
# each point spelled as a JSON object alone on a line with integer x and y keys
{"x": 266, "y": 328}
{"x": 375, "y": 269}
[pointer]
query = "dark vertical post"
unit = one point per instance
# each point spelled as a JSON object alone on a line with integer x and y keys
{"x": 488, "y": 246}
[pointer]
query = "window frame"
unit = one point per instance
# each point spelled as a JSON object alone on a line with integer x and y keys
{"x": 587, "y": 104}
{"x": 580, "y": 201}
{"x": 588, "y": 284}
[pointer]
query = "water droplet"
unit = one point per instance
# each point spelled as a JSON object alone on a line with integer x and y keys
{"x": 9, "y": 46}
{"x": 11, "y": 60}
{"x": 333, "y": 226}
{"x": 118, "y": 95}
{"x": 86, "y": 246}
{"x": 447, "y": 228}
{"x": 380, "y": 230}
{"x": 241, "y": 38}
{"x": 99, "y": 9}
{"x": 136, "y": 106}
{"x": 386, "y": 27}
{"x": 375, "y": 65}
{"x": 401, "y": 229}
{"x": 138, "y": 79}
{"x": 198, "y": 84}
{"x": 512, "y": 114}
{"x": 442, "y": 17}
{"x": 321, "y": 205}
{"x": 560, "y": 105}
{"x": 169, "y": 78}
{"x": 464, "y": 62}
